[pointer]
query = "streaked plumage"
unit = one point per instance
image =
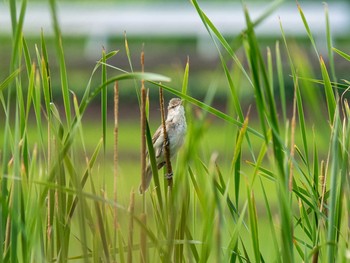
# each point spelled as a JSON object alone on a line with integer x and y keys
{"x": 176, "y": 130}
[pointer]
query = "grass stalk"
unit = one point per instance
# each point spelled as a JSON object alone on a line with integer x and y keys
{"x": 104, "y": 103}
{"x": 292, "y": 140}
{"x": 143, "y": 240}
{"x": 115, "y": 158}
{"x": 166, "y": 141}
{"x": 143, "y": 217}
{"x": 143, "y": 128}
{"x": 131, "y": 211}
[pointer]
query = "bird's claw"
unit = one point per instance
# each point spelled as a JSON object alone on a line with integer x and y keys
{"x": 169, "y": 175}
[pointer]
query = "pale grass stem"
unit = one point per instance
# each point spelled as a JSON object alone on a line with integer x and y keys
{"x": 292, "y": 140}
{"x": 143, "y": 127}
{"x": 323, "y": 182}
{"x": 143, "y": 238}
{"x": 131, "y": 211}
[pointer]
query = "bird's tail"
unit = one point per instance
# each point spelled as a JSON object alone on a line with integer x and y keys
{"x": 148, "y": 179}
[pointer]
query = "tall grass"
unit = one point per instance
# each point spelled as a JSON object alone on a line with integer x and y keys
{"x": 272, "y": 198}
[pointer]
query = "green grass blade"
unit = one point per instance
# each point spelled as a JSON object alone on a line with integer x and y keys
{"x": 334, "y": 198}
{"x": 308, "y": 30}
{"x": 329, "y": 42}
{"x": 85, "y": 177}
{"x": 27, "y": 59}
{"x": 62, "y": 63}
{"x": 259, "y": 73}
{"x": 185, "y": 78}
{"x": 210, "y": 27}
{"x": 101, "y": 227}
{"x": 330, "y": 98}
{"x": 104, "y": 100}
{"x": 281, "y": 82}
{"x": 341, "y": 53}
{"x": 152, "y": 157}
{"x": 17, "y": 37}
{"x": 253, "y": 222}
{"x": 271, "y": 224}
{"x": 5, "y": 84}
{"x": 302, "y": 122}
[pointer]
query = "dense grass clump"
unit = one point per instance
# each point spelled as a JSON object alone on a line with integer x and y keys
{"x": 276, "y": 191}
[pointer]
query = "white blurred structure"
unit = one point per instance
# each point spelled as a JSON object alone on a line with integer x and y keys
{"x": 102, "y": 20}
{"x": 175, "y": 19}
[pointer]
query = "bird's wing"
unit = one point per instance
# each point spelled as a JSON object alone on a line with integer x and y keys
{"x": 158, "y": 140}
{"x": 157, "y": 134}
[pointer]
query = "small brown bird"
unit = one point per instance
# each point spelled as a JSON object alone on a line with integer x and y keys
{"x": 176, "y": 129}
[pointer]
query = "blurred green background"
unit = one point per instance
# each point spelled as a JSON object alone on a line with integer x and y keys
{"x": 166, "y": 54}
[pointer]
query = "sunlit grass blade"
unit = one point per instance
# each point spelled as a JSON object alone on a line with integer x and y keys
{"x": 232, "y": 250}
{"x": 261, "y": 80}
{"x": 281, "y": 81}
{"x": 85, "y": 177}
{"x": 341, "y": 53}
{"x": 97, "y": 66}
{"x": 62, "y": 63}
{"x": 271, "y": 224}
{"x": 185, "y": 77}
{"x": 210, "y": 27}
{"x": 302, "y": 122}
{"x": 101, "y": 227}
{"x": 45, "y": 75}
{"x": 128, "y": 76}
{"x": 329, "y": 42}
{"x": 17, "y": 26}
{"x": 330, "y": 98}
{"x": 237, "y": 155}
{"x": 253, "y": 222}
{"x": 308, "y": 30}
{"x": 153, "y": 162}
{"x": 104, "y": 100}
{"x": 253, "y": 54}
{"x": 9, "y": 79}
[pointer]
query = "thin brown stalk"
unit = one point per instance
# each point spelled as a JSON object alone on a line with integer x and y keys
{"x": 143, "y": 237}
{"x": 143, "y": 240}
{"x": 143, "y": 128}
{"x": 292, "y": 140}
{"x": 166, "y": 140}
{"x": 131, "y": 210}
{"x": 315, "y": 256}
{"x": 323, "y": 185}
{"x": 323, "y": 191}
{"x": 116, "y": 116}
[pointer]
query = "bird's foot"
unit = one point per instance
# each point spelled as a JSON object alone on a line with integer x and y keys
{"x": 169, "y": 175}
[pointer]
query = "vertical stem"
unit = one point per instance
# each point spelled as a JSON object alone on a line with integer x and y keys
{"x": 143, "y": 238}
{"x": 166, "y": 141}
{"x": 116, "y": 114}
{"x": 292, "y": 140}
{"x": 131, "y": 225}
{"x": 49, "y": 248}
{"x": 143, "y": 128}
